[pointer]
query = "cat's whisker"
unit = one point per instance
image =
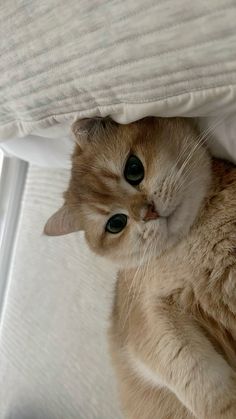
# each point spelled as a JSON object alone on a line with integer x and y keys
{"x": 187, "y": 174}
{"x": 200, "y": 141}
{"x": 133, "y": 285}
{"x": 194, "y": 164}
{"x": 201, "y": 138}
{"x": 173, "y": 185}
{"x": 141, "y": 283}
{"x": 188, "y": 145}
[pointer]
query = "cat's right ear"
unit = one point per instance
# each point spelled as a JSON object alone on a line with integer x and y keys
{"x": 66, "y": 220}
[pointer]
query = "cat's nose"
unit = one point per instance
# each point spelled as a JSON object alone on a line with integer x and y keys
{"x": 151, "y": 213}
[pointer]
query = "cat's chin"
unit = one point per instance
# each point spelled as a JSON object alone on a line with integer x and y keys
{"x": 154, "y": 243}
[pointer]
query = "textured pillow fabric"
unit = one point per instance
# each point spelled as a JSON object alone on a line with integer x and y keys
{"x": 127, "y": 59}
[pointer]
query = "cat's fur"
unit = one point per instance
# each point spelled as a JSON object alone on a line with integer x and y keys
{"x": 173, "y": 332}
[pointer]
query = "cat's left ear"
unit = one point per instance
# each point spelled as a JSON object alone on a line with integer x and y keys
{"x": 86, "y": 130}
{"x": 66, "y": 220}
{"x": 82, "y": 130}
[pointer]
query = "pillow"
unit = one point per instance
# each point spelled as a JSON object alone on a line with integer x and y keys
{"x": 127, "y": 59}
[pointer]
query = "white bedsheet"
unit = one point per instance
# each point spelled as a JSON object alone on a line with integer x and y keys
{"x": 53, "y": 336}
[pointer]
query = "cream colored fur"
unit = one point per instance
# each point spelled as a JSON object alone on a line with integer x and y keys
{"x": 173, "y": 326}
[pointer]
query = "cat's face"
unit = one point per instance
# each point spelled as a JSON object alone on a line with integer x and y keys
{"x": 135, "y": 189}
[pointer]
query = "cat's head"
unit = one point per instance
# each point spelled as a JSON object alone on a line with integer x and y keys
{"x": 135, "y": 189}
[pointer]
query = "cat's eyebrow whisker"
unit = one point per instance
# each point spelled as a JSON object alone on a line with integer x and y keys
{"x": 173, "y": 175}
{"x": 173, "y": 178}
{"x": 201, "y": 140}
{"x": 204, "y": 136}
{"x": 194, "y": 149}
{"x": 188, "y": 145}
{"x": 187, "y": 173}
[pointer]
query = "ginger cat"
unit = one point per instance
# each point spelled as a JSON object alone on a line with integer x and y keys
{"x": 149, "y": 196}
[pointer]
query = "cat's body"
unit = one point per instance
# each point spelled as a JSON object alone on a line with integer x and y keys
{"x": 173, "y": 317}
{"x": 149, "y": 197}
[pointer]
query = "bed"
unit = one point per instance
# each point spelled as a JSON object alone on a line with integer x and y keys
{"x": 78, "y": 59}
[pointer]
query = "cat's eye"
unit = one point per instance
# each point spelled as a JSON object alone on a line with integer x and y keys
{"x": 134, "y": 170}
{"x": 116, "y": 223}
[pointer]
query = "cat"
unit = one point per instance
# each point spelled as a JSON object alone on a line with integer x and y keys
{"x": 150, "y": 198}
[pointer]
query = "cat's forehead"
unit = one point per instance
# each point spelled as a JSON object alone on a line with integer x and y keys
{"x": 109, "y": 151}
{"x": 100, "y": 186}
{"x": 105, "y": 184}
{"x": 104, "y": 156}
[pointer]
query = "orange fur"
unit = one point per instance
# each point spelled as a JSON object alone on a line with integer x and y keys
{"x": 173, "y": 326}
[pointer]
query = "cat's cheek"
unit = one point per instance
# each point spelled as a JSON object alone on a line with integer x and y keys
{"x": 154, "y": 237}
{"x": 162, "y": 238}
{"x": 153, "y": 231}
{"x": 148, "y": 233}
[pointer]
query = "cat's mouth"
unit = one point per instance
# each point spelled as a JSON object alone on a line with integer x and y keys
{"x": 151, "y": 213}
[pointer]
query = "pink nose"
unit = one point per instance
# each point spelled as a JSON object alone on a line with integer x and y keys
{"x": 151, "y": 213}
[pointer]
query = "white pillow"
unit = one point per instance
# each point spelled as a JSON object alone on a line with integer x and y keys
{"x": 127, "y": 59}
